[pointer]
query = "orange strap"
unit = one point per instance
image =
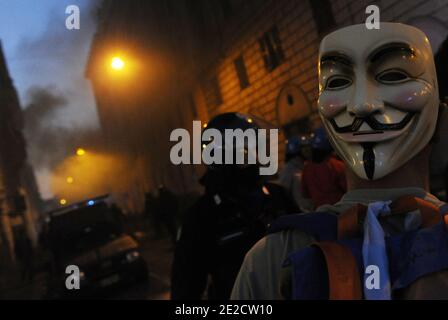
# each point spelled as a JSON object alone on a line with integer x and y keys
{"x": 343, "y": 274}
{"x": 348, "y": 222}
{"x": 429, "y": 212}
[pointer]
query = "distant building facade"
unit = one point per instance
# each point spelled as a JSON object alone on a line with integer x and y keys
{"x": 19, "y": 196}
{"x": 196, "y": 59}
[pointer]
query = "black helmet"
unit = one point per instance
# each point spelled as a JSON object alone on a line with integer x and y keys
{"x": 232, "y": 120}
{"x": 243, "y": 173}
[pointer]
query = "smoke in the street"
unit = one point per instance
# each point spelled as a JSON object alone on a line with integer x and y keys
{"x": 57, "y": 58}
{"x": 52, "y": 147}
{"x": 79, "y": 178}
{"x": 48, "y": 67}
{"x": 49, "y": 142}
{"x": 60, "y": 114}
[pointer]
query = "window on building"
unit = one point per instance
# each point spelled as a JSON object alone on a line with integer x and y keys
{"x": 212, "y": 93}
{"x": 241, "y": 71}
{"x": 323, "y": 16}
{"x": 271, "y": 49}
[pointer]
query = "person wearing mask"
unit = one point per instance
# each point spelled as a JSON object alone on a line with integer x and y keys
{"x": 387, "y": 237}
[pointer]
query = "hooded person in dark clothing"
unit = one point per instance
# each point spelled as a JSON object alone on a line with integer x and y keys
{"x": 166, "y": 208}
{"x": 224, "y": 223}
{"x": 24, "y": 253}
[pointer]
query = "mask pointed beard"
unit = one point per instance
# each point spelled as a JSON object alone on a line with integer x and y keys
{"x": 368, "y": 158}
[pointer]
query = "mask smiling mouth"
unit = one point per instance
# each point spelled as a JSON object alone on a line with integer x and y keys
{"x": 379, "y": 131}
{"x": 368, "y": 138}
{"x": 358, "y": 133}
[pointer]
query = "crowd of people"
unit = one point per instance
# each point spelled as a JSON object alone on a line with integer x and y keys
{"x": 313, "y": 175}
{"x": 239, "y": 205}
{"x": 361, "y": 178}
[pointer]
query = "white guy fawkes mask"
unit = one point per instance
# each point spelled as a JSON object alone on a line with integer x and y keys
{"x": 378, "y": 95}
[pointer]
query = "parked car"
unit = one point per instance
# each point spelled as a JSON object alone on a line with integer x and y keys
{"x": 90, "y": 235}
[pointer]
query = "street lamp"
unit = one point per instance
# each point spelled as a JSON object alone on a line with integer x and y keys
{"x": 70, "y": 180}
{"x": 80, "y": 152}
{"x": 63, "y": 202}
{"x": 117, "y": 63}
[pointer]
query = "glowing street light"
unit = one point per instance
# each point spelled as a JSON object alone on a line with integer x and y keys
{"x": 117, "y": 63}
{"x": 80, "y": 152}
{"x": 70, "y": 180}
{"x": 63, "y": 202}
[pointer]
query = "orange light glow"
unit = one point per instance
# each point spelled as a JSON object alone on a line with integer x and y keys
{"x": 80, "y": 152}
{"x": 117, "y": 63}
{"x": 70, "y": 180}
{"x": 63, "y": 202}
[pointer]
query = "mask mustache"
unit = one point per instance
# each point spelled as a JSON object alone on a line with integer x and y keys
{"x": 373, "y": 123}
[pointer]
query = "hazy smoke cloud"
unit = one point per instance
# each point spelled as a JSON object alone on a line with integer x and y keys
{"x": 60, "y": 112}
{"x": 95, "y": 174}
{"x": 57, "y": 58}
{"x": 52, "y": 147}
{"x": 61, "y": 101}
{"x": 48, "y": 142}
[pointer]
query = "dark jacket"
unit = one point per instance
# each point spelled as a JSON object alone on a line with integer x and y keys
{"x": 217, "y": 232}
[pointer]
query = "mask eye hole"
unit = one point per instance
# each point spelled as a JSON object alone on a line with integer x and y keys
{"x": 392, "y": 76}
{"x": 338, "y": 82}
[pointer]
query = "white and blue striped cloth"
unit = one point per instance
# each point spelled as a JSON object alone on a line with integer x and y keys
{"x": 374, "y": 250}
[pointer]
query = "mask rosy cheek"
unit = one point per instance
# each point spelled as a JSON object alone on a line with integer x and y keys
{"x": 330, "y": 106}
{"x": 413, "y": 98}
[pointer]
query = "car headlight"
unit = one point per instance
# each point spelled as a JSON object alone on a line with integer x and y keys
{"x": 132, "y": 256}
